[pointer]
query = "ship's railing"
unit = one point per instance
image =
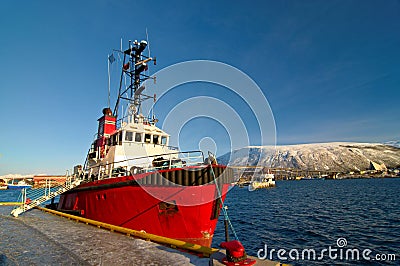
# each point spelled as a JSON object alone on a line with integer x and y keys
{"x": 171, "y": 147}
{"x": 145, "y": 164}
{"x": 129, "y": 119}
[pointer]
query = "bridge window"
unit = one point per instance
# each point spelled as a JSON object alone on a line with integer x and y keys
{"x": 128, "y": 136}
{"x": 155, "y": 139}
{"x": 164, "y": 140}
{"x": 147, "y": 138}
{"x": 138, "y": 137}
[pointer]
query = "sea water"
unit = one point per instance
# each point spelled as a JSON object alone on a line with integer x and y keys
{"x": 317, "y": 214}
{"x": 294, "y": 216}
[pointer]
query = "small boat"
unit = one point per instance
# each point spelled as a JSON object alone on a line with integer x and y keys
{"x": 20, "y": 185}
{"x": 262, "y": 181}
{"x": 243, "y": 184}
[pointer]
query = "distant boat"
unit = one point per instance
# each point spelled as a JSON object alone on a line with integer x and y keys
{"x": 243, "y": 184}
{"x": 262, "y": 181}
{"x": 20, "y": 185}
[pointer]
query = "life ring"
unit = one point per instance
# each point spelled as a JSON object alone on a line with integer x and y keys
{"x": 136, "y": 170}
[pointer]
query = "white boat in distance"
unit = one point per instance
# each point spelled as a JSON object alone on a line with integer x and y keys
{"x": 21, "y": 184}
{"x": 262, "y": 180}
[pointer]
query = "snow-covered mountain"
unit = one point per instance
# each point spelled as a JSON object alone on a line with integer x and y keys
{"x": 394, "y": 143}
{"x": 16, "y": 176}
{"x": 335, "y": 156}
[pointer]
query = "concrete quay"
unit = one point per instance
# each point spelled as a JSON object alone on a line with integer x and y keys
{"x": 50, "y": 239}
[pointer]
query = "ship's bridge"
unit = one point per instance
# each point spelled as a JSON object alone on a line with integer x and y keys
{"x": 144, "y": 133}
{"x": 137, "y": 143}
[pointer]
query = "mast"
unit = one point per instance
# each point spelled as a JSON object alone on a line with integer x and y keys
{"x": 133, "y": 65}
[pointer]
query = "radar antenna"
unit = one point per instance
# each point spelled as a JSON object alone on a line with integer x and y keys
{"x": 134, "y": 65}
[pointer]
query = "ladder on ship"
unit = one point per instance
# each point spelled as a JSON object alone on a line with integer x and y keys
{"x": 30, "y": 198}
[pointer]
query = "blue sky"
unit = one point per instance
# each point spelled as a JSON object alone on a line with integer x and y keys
{"x": 329, "y": 69}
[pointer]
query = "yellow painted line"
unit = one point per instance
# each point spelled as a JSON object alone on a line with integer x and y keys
{"x": 174, "y": 243}
{"x": 10, "y": 203}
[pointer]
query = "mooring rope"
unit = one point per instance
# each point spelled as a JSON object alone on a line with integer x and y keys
{"x": 224, "y": 210}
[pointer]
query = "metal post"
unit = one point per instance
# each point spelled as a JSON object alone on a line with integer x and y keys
{"x": 226, "y": 230}
{"x": 110, "y": 171}
{"x": 23, "y": 196}
{"x": 98, "y": 176}
{"x": 49, "y": 191}
{"x": 111, "y": 168}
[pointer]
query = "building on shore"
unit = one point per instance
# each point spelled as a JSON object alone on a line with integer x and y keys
{"x": 46, "y": 180}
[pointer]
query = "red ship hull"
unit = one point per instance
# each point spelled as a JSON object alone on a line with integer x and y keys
{"x": 185, "y": 212}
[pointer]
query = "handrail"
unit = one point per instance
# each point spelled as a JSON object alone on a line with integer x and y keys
{"x": 162, "y": 154}
{"x": 107, "y": 169}
{"x": 31, "y": 198}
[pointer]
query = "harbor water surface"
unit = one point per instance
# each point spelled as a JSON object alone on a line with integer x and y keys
{"x": 297, "y": 215}
{"x": 314, "y": 214}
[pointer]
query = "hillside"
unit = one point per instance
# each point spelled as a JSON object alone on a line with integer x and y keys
{"x": 336, "y": 156}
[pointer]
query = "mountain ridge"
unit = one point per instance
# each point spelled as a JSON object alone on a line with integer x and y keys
{"x": 328, "y": 156}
